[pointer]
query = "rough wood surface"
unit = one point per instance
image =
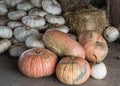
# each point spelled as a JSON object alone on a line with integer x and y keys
{"x": 114, "y": 12}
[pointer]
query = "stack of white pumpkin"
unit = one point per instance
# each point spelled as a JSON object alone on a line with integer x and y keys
{"x": 26, "y": 22}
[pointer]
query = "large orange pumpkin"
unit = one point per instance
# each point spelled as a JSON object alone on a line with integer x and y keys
{"x": 73, "y": 70}
{"x": 95, "y": 46}
{"x": 37, "y": 62}
{"x": 62, "y": 44}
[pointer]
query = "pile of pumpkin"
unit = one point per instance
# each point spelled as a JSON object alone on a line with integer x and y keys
{"x": 36, "y": 33}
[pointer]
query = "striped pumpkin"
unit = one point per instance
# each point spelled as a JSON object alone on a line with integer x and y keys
{"x": 73, "y": 70}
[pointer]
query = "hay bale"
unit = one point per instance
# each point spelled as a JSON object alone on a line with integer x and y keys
{"x": 86, "y": 19}
{"x": 71, "y": 5}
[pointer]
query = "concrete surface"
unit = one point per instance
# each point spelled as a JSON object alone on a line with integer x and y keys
{"x": 10, "y": 75}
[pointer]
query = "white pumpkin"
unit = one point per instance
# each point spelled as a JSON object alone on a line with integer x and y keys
{"x": 111, "y": 34}
{"x": 14, "y": 40}
{"x": 3, "y": 9}
{"x": 98, "y": 71}
{"x": 16, "y": 15}
{"x": 17, "y": 49}
{"x": 36, "y": 3}
{"x": 25, "y": 6}
{"x": 14, "y": 24}
{"x": 37, "y": 12}
{"x": 23, "y": 32}
{"x": 5, "y": 32}
{"x": 33, "y": 21}
{"x": 62, "y": 28}
{"x": 3, "y": 21}
{"x": 52, "y": 19}
{"x": 4, "y": 45}
{"x": 12, "y": 3}
{"x": 34, "y": 41}
{"x": 52, "y": 7}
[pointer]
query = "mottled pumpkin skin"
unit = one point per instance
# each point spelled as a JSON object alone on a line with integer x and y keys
{"x": 73, "y": 70}
{"x": 37, "y": 62}
{"x": 95, "y": 46}
{"x": 62, "y": 44}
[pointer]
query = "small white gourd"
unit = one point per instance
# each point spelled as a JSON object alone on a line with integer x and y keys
{"x": 52, "y": 19}
{"x": 17, "y": 49}
{"x": 5, "y": 32}
{"x": 36, "y": 3}
{"x": 12, "y": 3}
{"x": 111, "y": 34}
{"x": 25, "y": 6}
{"x": 3, "y": 9}
{"x": 16, "y": 15}
{"x": 52, "y": 7}
{"x": 14, "y": 24}
{"x": 23, "y": 32}
{"x": 3, "y": 21}
{"x": 37, "y": 12}
{"x": 33, "y": 21}
{"x": 62, "y": 28}
{"x": 4, "y": 45}
{"x": 98, "y": 71}
{"x": 34, "y": 41}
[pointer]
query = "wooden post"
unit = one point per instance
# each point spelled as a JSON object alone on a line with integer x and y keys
{"x": 113, "y": 12}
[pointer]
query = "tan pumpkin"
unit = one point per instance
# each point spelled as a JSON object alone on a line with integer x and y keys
{"x": 37, "y": 62}
{"x": 62, "y": 44}
{"x": 73, "y": 71}
{"x": 95, "y": 46}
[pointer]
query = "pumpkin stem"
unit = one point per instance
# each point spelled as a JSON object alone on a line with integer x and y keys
{"x": 38, "y": 52}
{"x": 97, "y": 42}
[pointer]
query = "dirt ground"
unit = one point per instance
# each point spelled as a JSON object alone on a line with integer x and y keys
{"x": 10, "y": 75}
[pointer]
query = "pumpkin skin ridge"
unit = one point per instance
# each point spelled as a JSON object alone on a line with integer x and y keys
{"x": 68, "y": 46}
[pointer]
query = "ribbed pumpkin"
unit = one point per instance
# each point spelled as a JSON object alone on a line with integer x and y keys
{"x": 62, "y": 44}
{"x": 37, "y": 62}
{"x": 73, "y": 70}
{"x": 95, "y": 46}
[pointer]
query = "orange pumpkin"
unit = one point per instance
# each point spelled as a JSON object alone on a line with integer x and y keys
{"x": 73, "y": 70}
{"x": 37, "y": 62}
{"x": 95, "y": 46}
{"x": 62, "y": 44}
